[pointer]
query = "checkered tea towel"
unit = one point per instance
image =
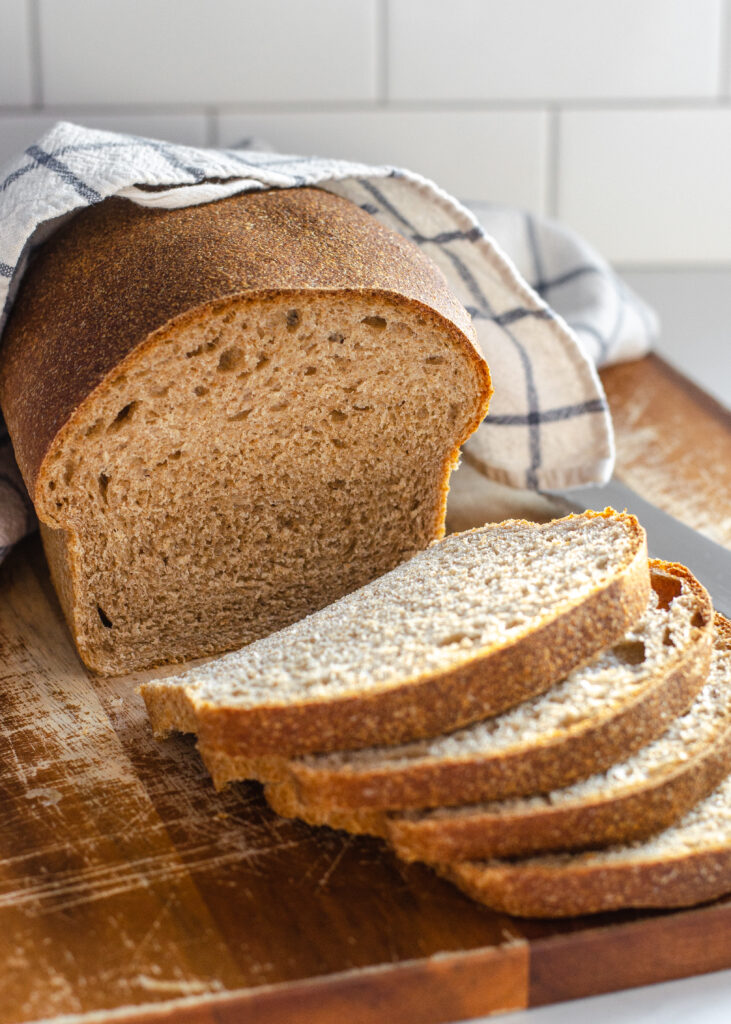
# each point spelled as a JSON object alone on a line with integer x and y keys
{"x": 547, "y": 310}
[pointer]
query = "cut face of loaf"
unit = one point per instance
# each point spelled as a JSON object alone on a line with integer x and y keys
{"x": 475, "y": 624}
{"x": 622, "y": 699}
{"x": 259, "y": 413}
{"x": 688, "y": 863}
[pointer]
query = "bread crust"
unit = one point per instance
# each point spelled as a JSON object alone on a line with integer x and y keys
{"x": 117, "y": 273}
{"x": 486, "y": 683}
{"x": 541, "y": 892}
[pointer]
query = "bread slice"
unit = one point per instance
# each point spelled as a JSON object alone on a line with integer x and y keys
{"x": 688, "y": 863}
{"x": 625, "y": 697}
{"x": 475, "y": 624}
{"x": 229, "y": 415}
{"x": 634, "y": 798}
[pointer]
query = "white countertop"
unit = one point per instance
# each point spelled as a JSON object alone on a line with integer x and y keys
{"x": 695, "y": 312}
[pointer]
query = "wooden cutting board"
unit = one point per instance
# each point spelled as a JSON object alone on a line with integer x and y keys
{"x": 127, "y": 884}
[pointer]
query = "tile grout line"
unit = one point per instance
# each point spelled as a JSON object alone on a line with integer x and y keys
{"x": 435, "y": 106}
{"x": 553, "y": 160}
{"x": 382, "y": 52}
{"x": 212, "y": 135}
{"x": 724, "y": 59}
{"x": 34, "y": 40}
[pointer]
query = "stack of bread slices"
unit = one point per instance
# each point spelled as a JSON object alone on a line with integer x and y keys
{"x": 537, "y": 711}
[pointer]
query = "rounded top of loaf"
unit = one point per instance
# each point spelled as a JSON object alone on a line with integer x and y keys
{"x": 118, "y": 272}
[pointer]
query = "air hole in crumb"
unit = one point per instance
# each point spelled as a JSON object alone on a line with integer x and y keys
{"x": 200, "y": 390}
{"x": 103, "y": 485}
{"x": 68, "y": 472}
{"x": 52, "y": 485}
{"x": 310, "y": 370}
{"x": 262, "y": 361}
{"x": 229, "y": 359}
{"x": 667, "y": 589}
{"x": 514, "y": 623}
{"x": 698, "y": 620}
{"x": 175, "y": 455}
{"x": 337, "y": 442}
{"x": 293, "y": 319}
{"x": 243, "y": 375}
{"x": 228, "y": 317}
{"x": 336, "y": 338}
{"x": 337, "y": 416}
{"x": 374, "y": 321}
{"x": 93, "y": 429}
{"x": 435, "y": 360}
{"x": 336, "y": 485}
{"x": 237, "y": 416}
{"x": 122, "y": 416}
{"x": 194, "y": 352}
{"x": 362, "y": 408}
{"x": 105, "y": 620}
{"x": 667, "y": 637}
{"x": 454, "y": 638}
{"x": 630, "y": 652}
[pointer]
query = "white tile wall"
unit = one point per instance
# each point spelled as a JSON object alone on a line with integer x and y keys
{"x": 475, "y": 154}
{"x": 649, "y": 185}
{"x": 612, "y": 114}
{"x": 15, "y": 58}
{"x": 553, "y": 49}
{"x": 207, "y": 51}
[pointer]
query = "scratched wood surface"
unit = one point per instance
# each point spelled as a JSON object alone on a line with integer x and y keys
{"x": 127, "y": 884}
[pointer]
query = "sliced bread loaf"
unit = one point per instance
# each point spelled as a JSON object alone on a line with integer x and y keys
{"x": 631, "y": 800}
{"x": 688, "y": 863}
{"x": 625, "y": 697}
{"x": 229, "y": 415}
{"x": 475, "y": 624}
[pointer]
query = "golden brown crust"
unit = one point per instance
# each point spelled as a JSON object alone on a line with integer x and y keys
{"x": 537, "y": 891}
{"x": 428, "y": 706}
{"x": 283, "y": 801}
{"x": 118, "y": 272}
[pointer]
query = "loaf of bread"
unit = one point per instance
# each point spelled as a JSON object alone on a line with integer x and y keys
{"x": 229, "y": 415}
{"x": 475, "y": 624}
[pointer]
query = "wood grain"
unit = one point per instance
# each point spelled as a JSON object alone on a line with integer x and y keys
{"x": 128, "y": 884}
{"x": 673, "y": 443}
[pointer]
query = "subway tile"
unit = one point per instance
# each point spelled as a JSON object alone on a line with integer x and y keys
{"x": 575, "y": 49}
{"x": 15, "y": 59}
{"x": 648, "y": 186}
{"x": 17, "y": 132}
{"x": 496, "y": 156}
{"x": 183, "y": 51}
